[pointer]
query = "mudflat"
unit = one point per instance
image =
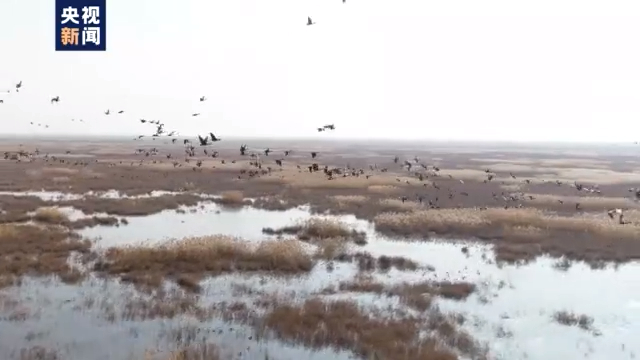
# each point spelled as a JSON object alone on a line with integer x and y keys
{"x": 313, "y": 249}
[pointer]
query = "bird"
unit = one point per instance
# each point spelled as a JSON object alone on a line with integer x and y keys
{"x": 203, "y": 98}
{"x": 196, "y": 114}
{"x": 314, "y": 154}
{"x": 309, "y": 21}
{"x": 120, "y": 112}
{"x": 1, "y": 101}
{"x": 330, "y": 127}
{"x": 106, "y": 112}
{"x": 55, "y": 99}
{"x": 18, "y": 86}
{"x": 214, "y": 138}
{"x": 203, "y": 141}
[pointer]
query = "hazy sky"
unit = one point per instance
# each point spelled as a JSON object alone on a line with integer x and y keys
{"x": 446, "y": 69}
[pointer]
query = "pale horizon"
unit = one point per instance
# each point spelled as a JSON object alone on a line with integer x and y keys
{"x": 547, "y": 71}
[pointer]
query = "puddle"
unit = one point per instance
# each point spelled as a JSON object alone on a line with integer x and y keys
{"x": 201, "y": 220}
{"x": 512, "y": 311}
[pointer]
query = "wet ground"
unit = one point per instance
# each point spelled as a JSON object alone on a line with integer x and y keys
{"x": 512, "y": 311}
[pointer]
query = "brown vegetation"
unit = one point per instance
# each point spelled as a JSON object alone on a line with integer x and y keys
{"x": 567, "y": 318}
{"x": 317, "y": 230}
{"x": 232, "y": 198}
{"x": 187, "y": 261}
{"x": 522, "y": 233}
{"x": 367, "y": 262}
{"x": 38, "y": 251}
{"x": 343, "y": 325}
{"x": 132, "y": 207}
{"x": 416, "y": 295}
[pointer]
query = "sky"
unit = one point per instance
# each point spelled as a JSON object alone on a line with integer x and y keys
{"x": 526, "y": 70}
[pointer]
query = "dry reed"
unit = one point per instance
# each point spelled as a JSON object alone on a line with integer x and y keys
{"x": 196, "y": 257}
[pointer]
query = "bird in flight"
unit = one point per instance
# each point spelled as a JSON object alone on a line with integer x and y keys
{"x": 106, "y": 112}
{"x": 203, "y": 98}
{"x": 18, "y": 86}
{"x": 309, "y": 21}
{"x": 196, "y": 114}
{"x": 55, "y": 99}
{"x": 214, "y": 138}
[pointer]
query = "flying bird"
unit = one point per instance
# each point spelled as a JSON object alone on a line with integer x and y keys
{"x": 203, "y": 98}
{"x": 18, "y": 86}
{"x": 55, "y": 99}
{"x": 309, "y": 21}
{"x": 214, "y": 138}
{"x": 203, "y": 141}
{"x": 106, "y": 112}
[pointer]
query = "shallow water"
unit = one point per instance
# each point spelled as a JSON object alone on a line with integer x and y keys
{"x": 204, "y": 219}
{"x": 511, "y": 311}
{"x": 63, "y": 321}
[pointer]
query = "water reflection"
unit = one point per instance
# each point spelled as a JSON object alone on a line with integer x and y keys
{"x": 511, "y": 311}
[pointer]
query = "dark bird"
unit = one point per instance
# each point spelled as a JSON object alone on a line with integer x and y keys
{"x": 196, "y": 114}
{"x": 120, "y": 112}
{"x": 214, "y": 138}
{"x": 107, "y": 112}
{"x": 330, "y": 127}
{"x": 18, "y": 86}
{"x": 203, "y": 98}
{"x": 143, "y": 121}
{"x": 243, "y": 150}
{"x": 320, "y": 129}
{"x": 55, "y": 99}
{"x": 203, "y": 141}
{"x": 1, "y": 101}
{"x": 267, "y": 151}
{"x": 314, "y": 154}
{"x": 309, "y": 21}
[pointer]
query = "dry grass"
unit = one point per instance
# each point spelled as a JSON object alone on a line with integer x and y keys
{"x": 469, "y": 221}
{"x": 30, "y": 250}
{"x": 187, "y": 261}
{"x": 318, "y": 230}
{"x": 132, "y": 207}
{"x": 50, "y": 215}
{"x": 232, "y": 198}
{"x": 343, "y": 325}
{"x": 418, "y": 296}
{"x": 38, "y": 353}
{"x": 348, "y": 201}
{"x": 202, "y": 351}
{"x": 367, "y": 262}
{"x": 588, "y": 203}
{"x": 567, "y": 318}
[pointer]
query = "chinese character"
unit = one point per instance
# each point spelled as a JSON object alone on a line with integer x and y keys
{"x": 69, "y": 36}
{"x": 90, "y": 15}
{"x": 91, "y": 35}
{"x": 70, "y": 14}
